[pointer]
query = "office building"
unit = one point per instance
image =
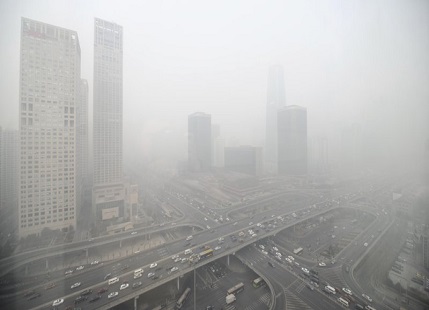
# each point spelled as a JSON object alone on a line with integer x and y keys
{"x": 49, "y": 91}
{"x": 218, "y": 145}
{"x": 199, "y": 142}
{"x": 244, "y": 159}
{"x": 292, "y": 140}
{"x": 275, "y": 100}
{"x": 82, "y": 166}
{"x": 9, "y": 156}
{"x": 108, "y": 188}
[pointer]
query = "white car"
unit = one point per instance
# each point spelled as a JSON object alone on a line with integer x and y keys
{"x": 262, "y": 247}
{"x": 177, "y": 260}
{"x": 95, "y": 262}
{"x": 305, "y": 270}
{"x": 68, "y": 272}
{"x": 264, "y": 252}
{"x": 205, "y": 219}
{"x": 134, "y": 233}
{"x": 57, "y": 302}
{"x": 174, "y": 257}
{"x": 150, "y": 274}
{"x": 112, "y": 294}
{"x": 288, "y": 260}
{"x": 347, "y": 291}
{"x": 251, "y": 223}
{"x": 138, "y": 275}
{"x": 77, "y": 284}
{"x": 174, "y": 269}
{"x": 124, "y": 286}
{"x": 365, "y": 244}
{"x": 217, "y": 248}
{"x": 184, "y": 260}
{"x": 80, "y": 268}
{"x": 153, "y": 265}
{"x": 367, "y": 297}
{"x": 322, "y": 264}
{"x": 208, "y": 227}
{"x": 235, "y": 223}
{"x": 291, "y": 258}
{"x": 275, "y": 249}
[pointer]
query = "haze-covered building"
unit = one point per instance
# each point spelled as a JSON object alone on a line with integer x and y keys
{"x": 49, "y": 91}
{"x": 244, "y": 159}
{"x": 199, "y": 142}
{"x": 292, "y": 140}
{"x": 108, "y": 188}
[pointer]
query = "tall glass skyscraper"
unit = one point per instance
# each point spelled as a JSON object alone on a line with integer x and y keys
{"x": 275, "y": 100}
{"x": 108, "y": 190}
{"x": 49, "y": 91}
{"x": 199, "y": 142}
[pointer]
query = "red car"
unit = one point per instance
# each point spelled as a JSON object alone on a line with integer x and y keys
{"x": 103, "y": 290}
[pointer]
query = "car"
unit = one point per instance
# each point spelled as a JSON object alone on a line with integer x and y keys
{"x": 235, "y": 223}
{"x": 95, "y": 298}
{"x": 77, "y": 284}
{"x": 365, "y": 244}
{"x": 112, "y": 294}
{"x": 311, "y": 287}
{"x": 367, "y": 297}
{"x": 291, "y": 258}
{"x": 262, "y": 247}
{"x": 86, "y": 292}
{"x": 80, "y": 268}
{"x": 264, "y": 252}
{"x": 80, "y": 299}
{"x": 205, "y": 219}
{"x": 189, "y": 238}
{"x": 153, "y": 265}
{"x": 33, "y": 296}
{"x": 57, "y": 302}
{"x": 288, "y": 260}
{"x": 305, "y": 270}
{"x": 184, "y": 260}
{"x": 138, "y": 275}
{"x": 137, "y": 252}
{"x": 275, "y": 249}
{"x": 177, "y": 260}
{"x": 251, "y": 223}
{"x": 134, "y": 233}
{"x": 208, "y": 227}
{"x": 49, "y": 286}
{"x": 124, "y": 286}
{"x": 137, "y": 284}
{"x": 347, "y": 291}
{"x": 94, "y": 262}
{"x": 271, "y": 264}
{"x": 107, "y": 276}
{"x": 68, "y": 272}
{"x": 217, "y": 248}
{"x": 150, "y": 274}
{"x": 174, "y": 269}
{"x": 322, "y": 264}
{"x": 102, "y": 290}
{"x": 174, "y": 257}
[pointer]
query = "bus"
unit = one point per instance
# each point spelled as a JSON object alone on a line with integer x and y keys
{"x": 182, "y": 298}
{"x": 206, "y": 253}
{"x": 236, "y": 289}
{"x": 258, "y": 282}
{"x": 298, "y": 251}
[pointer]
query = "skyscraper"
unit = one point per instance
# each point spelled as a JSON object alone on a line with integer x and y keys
{"x": 108, "y": 190}
{"x": 49, "y": 90}
{"x": 82, "y": 174}
{"x": 244, "y": 159}
{"x": 275, "y": 100}
{"x": 199, "y": 142}
{"x": 9, "y": 172}
{"x": 292, "y": 140}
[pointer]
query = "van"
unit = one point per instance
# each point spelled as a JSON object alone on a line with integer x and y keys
{"x": 343, "y": 302}
{"x": 113, "y": 280}
{"x": 138, "y": 271}
{"x": 188, "y": 251}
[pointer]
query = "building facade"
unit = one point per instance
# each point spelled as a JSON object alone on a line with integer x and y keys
{"x": 244, "y": 159}
{"x": 199, "y": 142}
{"x": 275, "y": 100}
{"x": 292, "y": 140}
{"x": 49, "y": 91}
{"x": 108, "y": 188}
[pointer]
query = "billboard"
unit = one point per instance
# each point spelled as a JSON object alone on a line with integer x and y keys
{"x": 109, "y": 213}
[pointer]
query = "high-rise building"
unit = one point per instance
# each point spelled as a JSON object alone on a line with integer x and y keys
{"x": 108, "y": 188}
{"x": 9, "y": 173}
{"x": 275, "y": 100}
{"x": 292, "y": 140}
{"x": 82, "y": 175}
{"x": 218, "y": 146}
{"x": 199, "y": 142}
{"x": 49, "y": 91}
{"x": 244, "y": 159}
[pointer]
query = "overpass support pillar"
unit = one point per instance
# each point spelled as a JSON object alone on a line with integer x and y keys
{"x": 227, "y": 260}
{"x": 135, "y": 302}
{"x": 47, "y": 264}
{"x": 120, "y": 243}
{"x": 178, "y": 284}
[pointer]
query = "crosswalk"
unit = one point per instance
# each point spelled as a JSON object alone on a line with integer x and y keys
{"x": 262, "y": 303}
{"x": 333, "y": 276}
{"x": 293, "y": 302}
{"x": 162, "y": 252}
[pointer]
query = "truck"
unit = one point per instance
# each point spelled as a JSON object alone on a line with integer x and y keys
{"x": 230, "y": 299}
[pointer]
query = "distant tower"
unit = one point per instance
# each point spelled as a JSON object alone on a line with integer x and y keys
{"x": 199, "y": 142}
{"x": 108, "y": 190}
{"x": 275, "y": 100}
{"x": 49, "y": 91}
{"x": 292, "y": 140}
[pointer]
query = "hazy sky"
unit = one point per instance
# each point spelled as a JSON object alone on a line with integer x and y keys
{"x": 364, "y": 61}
